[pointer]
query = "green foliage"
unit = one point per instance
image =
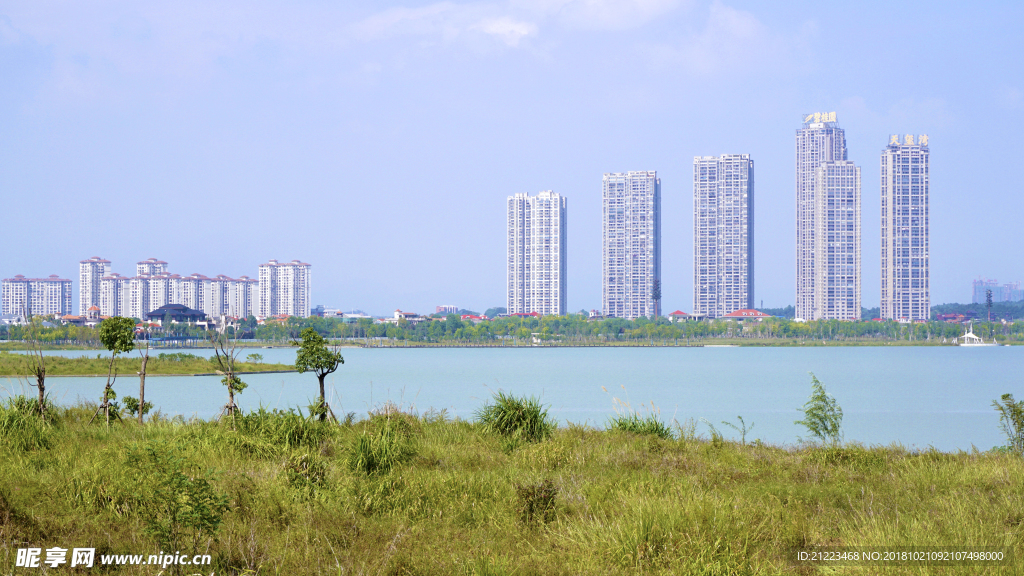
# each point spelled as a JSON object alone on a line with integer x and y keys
{"x": 823, "y": 417}
{"x": 283, "y": 429}
{"x": 118, "y": 334}
{"x": 314, "y": 355}
{"x": 1011, "y": 421}
{"x": 521, "y": 419}
{"x": 306, "y": 471}
{"x": 131, "y": 404}
{"x": 234, "y": 383}
{"x": 638, "y": 424}
{"x": 183, "y": 508}
{"x": 21, "y": 430}
{"x": 384, "y": 446}
{"x": 535, "y": 503}
{"x": 254, "y": 358}
{"x": 742, "y": 428}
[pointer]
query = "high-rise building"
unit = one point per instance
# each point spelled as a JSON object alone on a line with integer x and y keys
{"x": 905, "y": 250}
{"x": 150, "y": 267}
{"x": 837, "y": 258}
{"x": 285, "y": 288}
{"x": 536, "y": 253}
{"x": 723, "y": 234}
{"x": 827, "y": 222}
{"x": 114, "y": 295}
{"x": 631, "y": 238}
{"x": 91, "y": 272}
{"x": 36, "y": 296}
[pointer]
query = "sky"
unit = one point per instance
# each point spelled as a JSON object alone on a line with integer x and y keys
{"x": 379, "y": 141}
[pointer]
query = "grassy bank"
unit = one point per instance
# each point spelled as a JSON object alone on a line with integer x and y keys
{"x": 13, "y": 364}
{"x": 400, "y": 494}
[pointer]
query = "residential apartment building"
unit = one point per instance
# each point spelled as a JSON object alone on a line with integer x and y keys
{"x": 827, "y": 222}
{"x": 114, "y": 295}
{"x": 36, "y": 296}
{"x": 905, "y": 248}
{"x": 285, "y": 288}
{"x": 631, "y": 244}
{"x": 536, "y": 253}
{"x": 150, "y": 267}
{"x": 90, "y": 274}
{"x": 837, "y": 228}
{"x": 723, "y": 234}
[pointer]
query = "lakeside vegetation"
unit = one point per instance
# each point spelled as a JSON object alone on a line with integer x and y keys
{"x": 14, "y": 364}
{"x": 568, "y": 330}
{"x": 399, "y": 493}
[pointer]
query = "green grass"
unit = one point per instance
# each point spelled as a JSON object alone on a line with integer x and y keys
{"x": 457, "y": 501}
{"x": 12, "y": 364}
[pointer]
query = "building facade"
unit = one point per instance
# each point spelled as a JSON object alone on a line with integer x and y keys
{"x": 837, "y": 228}
{"x": 536, "y": 254}
{"x": 285, "y": 288}
{"x": 826, "y": 208}
{"x": 114, "y": 295}
{"x": 723, "y": 234}
{"x": 36, "y": 296}
{"x": 631, "y": 244}
{"x": 905, "y": 246}
{"x": 90, "y": 274}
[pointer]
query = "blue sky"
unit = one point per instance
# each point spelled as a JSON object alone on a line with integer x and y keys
{"x": 378, "y": 142}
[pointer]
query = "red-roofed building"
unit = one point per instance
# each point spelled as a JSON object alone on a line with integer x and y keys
{"x": 747, "y": 314}
{"x": 678, "y": 316}
{"x": 473, "y": 318}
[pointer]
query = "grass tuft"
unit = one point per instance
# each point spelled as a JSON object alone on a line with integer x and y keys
{"x": 517, "y": 419}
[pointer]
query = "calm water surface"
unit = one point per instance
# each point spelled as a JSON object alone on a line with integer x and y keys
{"x": 919, "y": 397}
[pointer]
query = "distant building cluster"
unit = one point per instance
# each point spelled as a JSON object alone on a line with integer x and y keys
{"x": 828, "y": 235}
{"x": 1008, "y": 292}
{"x": 280, "y": 289}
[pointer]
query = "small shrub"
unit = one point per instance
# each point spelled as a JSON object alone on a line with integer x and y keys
{"x": 183, "y": 507}
{"x": 638, "y": 424}
{"x": 382, "y": 447}
{"x": 536, "y": 502}
{"x": 285, "y": 428}
{"x": 1011, "y": 421}
{"x": 517, "y": 418}
{"x": 822, "y": 415}
{"x": 131, "y": 405}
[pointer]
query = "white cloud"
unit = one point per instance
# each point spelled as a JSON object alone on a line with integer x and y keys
{"x": 600, "y": 14}
{"x": 509, "y": 30}
{"x": 731, "y": 40}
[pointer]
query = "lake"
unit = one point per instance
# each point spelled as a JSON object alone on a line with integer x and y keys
{"x": 918, "y": 396}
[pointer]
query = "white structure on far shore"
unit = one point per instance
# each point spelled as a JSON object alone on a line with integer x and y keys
{"x": 536, "y": 253}
{"x": 36, "y": 296}
{"x": 90, "y": 273}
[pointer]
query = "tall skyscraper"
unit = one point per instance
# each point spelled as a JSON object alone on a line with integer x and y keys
{"x": 536, "y": 279}
{"x": 827, "y": 222}
{"x": 115, "y": 295}
{"x": 837, "y": 272}
{"x": 285, "y": 288}
{"x": 631, "y": 255}
{"x": 91, "y": 272}
{"x": 905, "y": 256}
{"x": 723, "y": 234}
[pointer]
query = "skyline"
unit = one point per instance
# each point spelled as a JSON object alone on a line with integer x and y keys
{"x": 259, "y": 120}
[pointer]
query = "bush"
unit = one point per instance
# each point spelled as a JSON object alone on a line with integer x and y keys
{"x": 638, "y": 424}
{"x": 1011, "y": 421}
{"x": 21, "y": 428}
{"x": 183, "y": 508}
{"x": 822, "y": 415}
{"x": 517, "y": 418}
{"x": 287, "y": 429}
{"x": 385, "y": 445}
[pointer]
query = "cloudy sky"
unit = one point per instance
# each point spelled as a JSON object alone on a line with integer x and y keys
{"x": 379, "y": 143}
